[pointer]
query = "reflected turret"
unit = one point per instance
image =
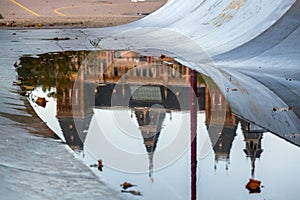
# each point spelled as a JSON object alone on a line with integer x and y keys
{"x": 150, "y": 122}
{"x": 253, "y": 148}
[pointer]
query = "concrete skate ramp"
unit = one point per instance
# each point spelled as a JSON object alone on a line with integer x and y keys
{"x": 249, "y": 45}
{"x": 222, "y": 25}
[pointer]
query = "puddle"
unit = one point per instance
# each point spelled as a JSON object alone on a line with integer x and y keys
{"x": 152, "y": 128}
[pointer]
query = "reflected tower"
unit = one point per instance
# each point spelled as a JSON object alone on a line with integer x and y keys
{"x": 150, "y": 122}
{"x": 220, "y": 122}
{"x": 253, "y": 147}
{"x": 74, "y": 100}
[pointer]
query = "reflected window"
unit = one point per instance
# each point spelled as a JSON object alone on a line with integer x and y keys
{"x": 116, "y": 71}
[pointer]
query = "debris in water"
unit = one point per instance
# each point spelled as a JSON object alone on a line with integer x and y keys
{"x": 16, "y": 65}
{"x": 253, "y": 186}
{"x": 41, "y": 101}
{"x": 126, "y": 185}
{"x": 100, "y": 165}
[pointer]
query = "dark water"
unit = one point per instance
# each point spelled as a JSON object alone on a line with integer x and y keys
{"x": 139, "y": 115}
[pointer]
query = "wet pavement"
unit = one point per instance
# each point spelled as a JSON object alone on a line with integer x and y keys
{"x": 138, "y": 107}
{"x": 34, "y": 163}
{"x": 224, "y": 128}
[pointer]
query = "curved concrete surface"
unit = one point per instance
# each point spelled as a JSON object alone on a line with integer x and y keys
{"x": 249, "y": 45}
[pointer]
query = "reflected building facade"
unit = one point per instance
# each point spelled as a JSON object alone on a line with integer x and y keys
{"x": 74, "y": 101}
{"x": 220, "y": 122}
{"x": 150, "y": 87}
{"x": 129, "y": 71}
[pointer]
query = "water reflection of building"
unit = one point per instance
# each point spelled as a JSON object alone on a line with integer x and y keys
{"x": 150, "y": 122}
{"x": 129, "y": 70}
{"x": 74, "y": 101}
{"x": 221, "y": 124}
{"x": 136, "y": 68}
{"x": 150, "y": 87}
{"x": 253, "y": 147}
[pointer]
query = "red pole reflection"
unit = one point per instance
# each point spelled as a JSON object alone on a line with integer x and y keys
{"x": 193, "y": 115}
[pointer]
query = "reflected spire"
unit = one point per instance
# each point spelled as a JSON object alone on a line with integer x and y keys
{"x": 253, "y": 136}
{"x": 150, "y": 157}
{"x": 150, "y": 123}
{"x": 253, "y": 148}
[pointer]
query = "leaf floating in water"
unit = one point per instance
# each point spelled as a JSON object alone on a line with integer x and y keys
{"x": 253, "y": 186}
{"x": 41, "y": 101}
{"x": 100, "y": 165}
{"x": 126, "y": 185}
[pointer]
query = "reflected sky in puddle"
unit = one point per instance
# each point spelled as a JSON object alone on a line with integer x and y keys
{"x": 137, "y": 115}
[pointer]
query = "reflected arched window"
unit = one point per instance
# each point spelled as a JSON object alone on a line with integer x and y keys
{"x": 144, "y": 72}
{"x": 150, "y": 72}
{"x": 173, "y": 73}
{"x": 138, "y": 71}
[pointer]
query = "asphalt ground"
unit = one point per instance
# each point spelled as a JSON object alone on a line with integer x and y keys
{"x": 73, "y": 13}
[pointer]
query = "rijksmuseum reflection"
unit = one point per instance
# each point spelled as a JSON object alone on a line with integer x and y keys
{"x": 131, "y": 81}
{"x": 222, "y": 125}
{"x": 139, "y": 83}
{"x": 149, "y": 87}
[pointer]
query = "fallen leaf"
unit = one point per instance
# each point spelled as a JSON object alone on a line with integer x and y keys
{"x": 100, "y": 165}
{"x": 126, "y": 185}
{"x": 41, "y": 101}
{"x": 253, "y": 186}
